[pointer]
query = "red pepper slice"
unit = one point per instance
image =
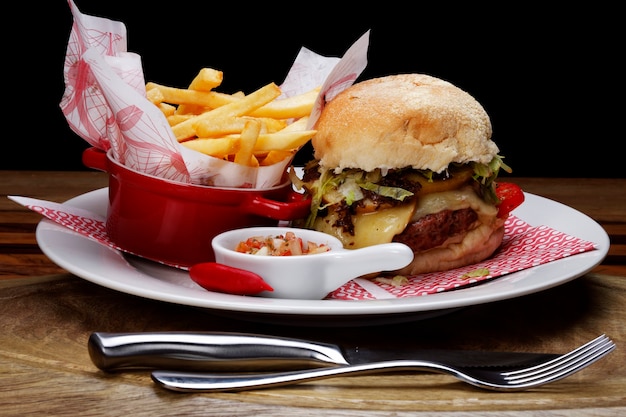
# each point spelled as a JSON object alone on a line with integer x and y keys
{"x": 218, "y": 277}
{"x": 510, "y": 195}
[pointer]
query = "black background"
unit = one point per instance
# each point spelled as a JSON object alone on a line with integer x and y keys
{"x": 551, "y": 80}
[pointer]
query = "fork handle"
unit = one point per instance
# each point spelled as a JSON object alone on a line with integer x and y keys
{"x": 205, "y": 382}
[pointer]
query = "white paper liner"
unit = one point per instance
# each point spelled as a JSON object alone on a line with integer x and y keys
{"x": 105, "y": 103}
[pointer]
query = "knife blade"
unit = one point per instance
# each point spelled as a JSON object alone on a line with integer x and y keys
{"x": 233, "y": 352}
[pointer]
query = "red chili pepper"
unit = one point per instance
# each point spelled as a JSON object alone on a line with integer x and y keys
{"x": 217, "y": 277}
{"x": 510, "y": 196}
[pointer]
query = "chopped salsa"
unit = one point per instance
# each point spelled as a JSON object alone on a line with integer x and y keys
{"x": 280, "y": 245}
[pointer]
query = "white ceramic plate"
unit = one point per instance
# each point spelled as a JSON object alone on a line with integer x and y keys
{"x": 110, "y": 268}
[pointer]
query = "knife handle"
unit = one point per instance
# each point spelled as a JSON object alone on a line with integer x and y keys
{"x": 200, "y": 351}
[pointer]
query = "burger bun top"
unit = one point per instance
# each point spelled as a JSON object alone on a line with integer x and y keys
{"x": 404, "y": 120}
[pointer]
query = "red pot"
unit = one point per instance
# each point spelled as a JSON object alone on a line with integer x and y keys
{"x": 174, "y": 222}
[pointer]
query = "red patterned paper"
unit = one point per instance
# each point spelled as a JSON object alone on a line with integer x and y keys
{"x": 523, "y": 246}
{"x": 85, "y": 222}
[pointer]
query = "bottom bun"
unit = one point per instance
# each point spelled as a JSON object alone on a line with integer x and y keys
{"x": 477, "y": 245}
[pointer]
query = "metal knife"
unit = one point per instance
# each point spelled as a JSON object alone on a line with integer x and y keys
{"x": 234, "y": 352}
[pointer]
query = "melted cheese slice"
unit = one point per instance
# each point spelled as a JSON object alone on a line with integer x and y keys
{"x": 381, "y": 226}
{"x": 454, "y": 200}
{"x": 370, "y": 228}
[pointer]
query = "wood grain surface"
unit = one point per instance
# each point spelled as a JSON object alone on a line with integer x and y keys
{"x": 47, "y": 315}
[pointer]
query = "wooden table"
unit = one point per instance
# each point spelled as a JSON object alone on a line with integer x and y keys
{"x": 47, "y": 314}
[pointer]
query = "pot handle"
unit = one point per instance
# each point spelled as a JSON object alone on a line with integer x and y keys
{"x": 295, "y": 207}
{"x": 95, "y": 158}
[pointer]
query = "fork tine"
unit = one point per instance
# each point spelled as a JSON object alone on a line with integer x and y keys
{"x": 562, "y": 366}
{"x": 554, "y": 362}
{"x": 566, "y": 369}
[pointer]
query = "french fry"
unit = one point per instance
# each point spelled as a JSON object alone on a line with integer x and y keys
{"x": 299, "y": 124}
{"x": 247, "y": 142}
{"x": 275, "y": 156}
{"x": 167, "y": 109}
{"x": 272, "y": 125}
{"x": 175, "y": 119}
{"x": 252, "y": 101}
{"x": 175, "y": 95}
{"x": 287, "y": 108}
{"x": 283, "y": 140}
{"x": 154, "y": 95}
{"x": 217, "y": 99}
{"x": 221, "y": 127}
{"x": 206, "y": 80}
{"x": 215, "y": 147}
{"x": 255, "y": 129}
{"x": 230, "y": 125}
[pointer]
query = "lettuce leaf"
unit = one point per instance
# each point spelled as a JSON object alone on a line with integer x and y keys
{"x": 332, "y": 188}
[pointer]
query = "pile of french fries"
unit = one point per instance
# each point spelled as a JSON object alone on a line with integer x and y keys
{"x": 253, "y": 129}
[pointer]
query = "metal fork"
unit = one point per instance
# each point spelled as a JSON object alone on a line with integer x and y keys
{"x": 482, "y": 377}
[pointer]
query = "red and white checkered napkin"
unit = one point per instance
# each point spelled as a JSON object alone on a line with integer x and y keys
{"x": 523, "y": 246}
{"x": 85, "y": 222}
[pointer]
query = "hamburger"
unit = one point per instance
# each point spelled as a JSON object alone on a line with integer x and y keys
{"x": 407, "y": 158}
